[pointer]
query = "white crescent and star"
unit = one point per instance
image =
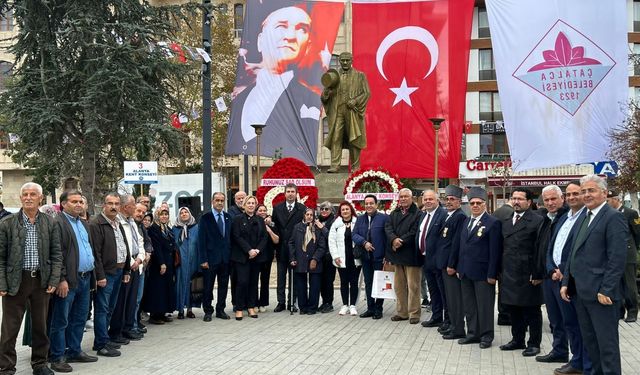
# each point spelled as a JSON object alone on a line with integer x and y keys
{"x": 407, "y": 33}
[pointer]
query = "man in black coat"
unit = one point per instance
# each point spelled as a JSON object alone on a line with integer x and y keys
{"x": 71, "y": 301}
{"x": 238, "y": 199}
{"x": 214, "y": 252}
{"x": 429, "y": 225}
{"x": 286, "y": 215}
{"x": 402, "y": 253}
{"x": 594, "y": 273}
{"x": 479, "y": 255}
{"x": 446, "y": 261}
{"x": 630, "y": 270}
{"x": 522, "y": 274}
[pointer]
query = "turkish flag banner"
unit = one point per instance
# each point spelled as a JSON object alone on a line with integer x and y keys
{"x": 415, "y": 55}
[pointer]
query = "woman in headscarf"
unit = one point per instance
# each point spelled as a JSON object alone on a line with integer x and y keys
{"x": 306, "y": 250}
{"x": 326, "y": 216}
{"x": 341, "y": 247}
{"x": 265, "y": 259}
{"x": 185, "y": 233}
{"x": 249, "y": 239}
{"x": 147, "y": 221}
{"x": 159, "y": 297}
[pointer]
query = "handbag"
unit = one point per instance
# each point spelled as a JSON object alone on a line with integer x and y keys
{"x": 197, "y": 288}
{"x": 383, "y": 285}
{"x": 358, "y": 251}
{"x": 177, "y": 259}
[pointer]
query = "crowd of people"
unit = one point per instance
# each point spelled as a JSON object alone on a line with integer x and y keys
{"x": 577, "y": 255}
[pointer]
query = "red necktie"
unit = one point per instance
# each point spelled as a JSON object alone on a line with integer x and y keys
{"x": 423, "y": 235}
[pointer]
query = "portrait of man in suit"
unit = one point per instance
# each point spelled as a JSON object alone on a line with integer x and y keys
{"x": 593, "y": 274}
{"x": 278, "y": 73}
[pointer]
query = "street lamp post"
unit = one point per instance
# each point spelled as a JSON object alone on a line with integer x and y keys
{"x": 436, "y": 126}
{"x": 206, "y": 108}
{"x": 258, "y": 128}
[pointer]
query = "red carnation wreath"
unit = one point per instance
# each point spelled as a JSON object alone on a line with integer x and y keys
{"x": 378, "y": 182}
{"x": 271, "y": 190}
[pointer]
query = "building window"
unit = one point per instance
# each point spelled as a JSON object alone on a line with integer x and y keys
{"x": 635, "y": 59}
{"x": 238, "y": 19}
{"x": 490, "y": 109}
{"x": 493, "y": 145}
{"x": 5, "y": 72}
{"x": 636, "y": 15}
{"x": 6, "y": 21}
{"x": 486, "y": 65}
{"x": 483, "y": 23}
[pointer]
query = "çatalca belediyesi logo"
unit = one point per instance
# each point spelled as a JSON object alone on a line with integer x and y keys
{"x": 565, "y": 66}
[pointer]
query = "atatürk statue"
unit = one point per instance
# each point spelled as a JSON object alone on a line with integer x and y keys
{"x": 345, "y": 100}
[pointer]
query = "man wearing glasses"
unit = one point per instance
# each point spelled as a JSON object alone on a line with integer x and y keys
{"x": 479, "y": 255}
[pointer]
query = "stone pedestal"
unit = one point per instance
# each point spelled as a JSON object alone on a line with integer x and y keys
{"x": 330, "y": 186}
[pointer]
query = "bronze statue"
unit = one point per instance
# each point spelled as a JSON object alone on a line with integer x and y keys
{"x": 345, "y": 99}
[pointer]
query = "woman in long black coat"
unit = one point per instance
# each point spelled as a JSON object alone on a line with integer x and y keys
{"x": 265, "y": 259}
{"x": 249, "y": 239}
{"x": 159, "y": 287}
{"x": 307, "y": 247}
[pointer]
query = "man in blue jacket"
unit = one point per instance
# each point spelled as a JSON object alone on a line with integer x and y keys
{"x": 214, "y": 250}
{"x": 370, "y": 235}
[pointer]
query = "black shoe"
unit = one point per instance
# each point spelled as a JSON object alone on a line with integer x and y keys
{"x": 61, "y": 366}
{"x": 156, "y": 321}
{"x": 469, "y": 340}
{"x": 366, "y": 314}
{"x": 447, "y": 332}
{"x": 292, "y": 309}
{"x": 431, "y": 323}
{"x": 82, "y": 358}
{"x": 109, "y": 352}
{"x": 113, "y": 345}
{"x": 567, "y": 370}
{"x": 512, "y": 345}
{"x": 530, "y": 351}
{"x": 44, "y": 370}
{"x": 552, "y": 358}
{"x": 207, "y": 317}
{"x": 311, "y": 312}
{"x": 327, "y": 309}
{"x": 451, "y": 336}
{"x": 444, "y": 328}
{"x": 119, "y": 340}
{"x": 484, "y": 344}
{"x": 222, "y": 315}
{"x": 132, "y": 335}
{"x": 425, "y": 302}
{"x": 180, "y": 315}
{"x": 280, "y": 307}
{"x": 377, "y": 315}
{"x": 142, "y": 329}
{"x": 630, "y": 318}
{"x": 167, "y": 319}
{"x": 303, "y": 312}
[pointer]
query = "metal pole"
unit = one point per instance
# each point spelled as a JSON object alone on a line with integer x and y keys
{"x": 436, "y": 126}
{"x": 206, "y": 107}
{"x": 258, "y": 128}
{"x": 246, "y": 173}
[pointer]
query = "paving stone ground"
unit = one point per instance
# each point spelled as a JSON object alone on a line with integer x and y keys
{"x": 278, "y": 343}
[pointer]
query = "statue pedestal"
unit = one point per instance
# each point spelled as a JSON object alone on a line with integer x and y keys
{"x": 330, "y": 186}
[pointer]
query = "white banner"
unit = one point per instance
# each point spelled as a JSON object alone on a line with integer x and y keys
{"x": 284, "y": 181}
{"x": 380, "y": 196}
{"x": 140, "y": 172}
{"x": 562, "y": 69}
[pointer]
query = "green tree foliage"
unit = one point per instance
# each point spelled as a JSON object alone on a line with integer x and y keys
{"x": 90, "y": 88}
{"x": 188, "y": 87}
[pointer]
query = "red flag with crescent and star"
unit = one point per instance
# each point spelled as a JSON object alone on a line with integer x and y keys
{"x": 415, "y": 55}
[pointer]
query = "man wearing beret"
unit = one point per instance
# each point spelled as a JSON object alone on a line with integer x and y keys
{"x": 479, "y": 256}
{"x": 447, "y": 261}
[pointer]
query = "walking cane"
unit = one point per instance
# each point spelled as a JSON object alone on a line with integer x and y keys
{"x": 291, "y": 305}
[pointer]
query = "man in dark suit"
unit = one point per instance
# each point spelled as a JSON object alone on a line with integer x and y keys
{"x": 71, "y": 301}
{"x": 479, "y": 256}
{"x": 430, "y": 223}
{"x": 630, "y": 270}
{"x": 522, "y": 274}
{"x": 562, "y": 315}
{"x": 286, "y": 215}
{"x": 214, "y": 251}
{"x": 405, "y": 257}
{"x": 446, "y": 261}
{"x": 369, "y": 233}
{"x": 594, "y": 274}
